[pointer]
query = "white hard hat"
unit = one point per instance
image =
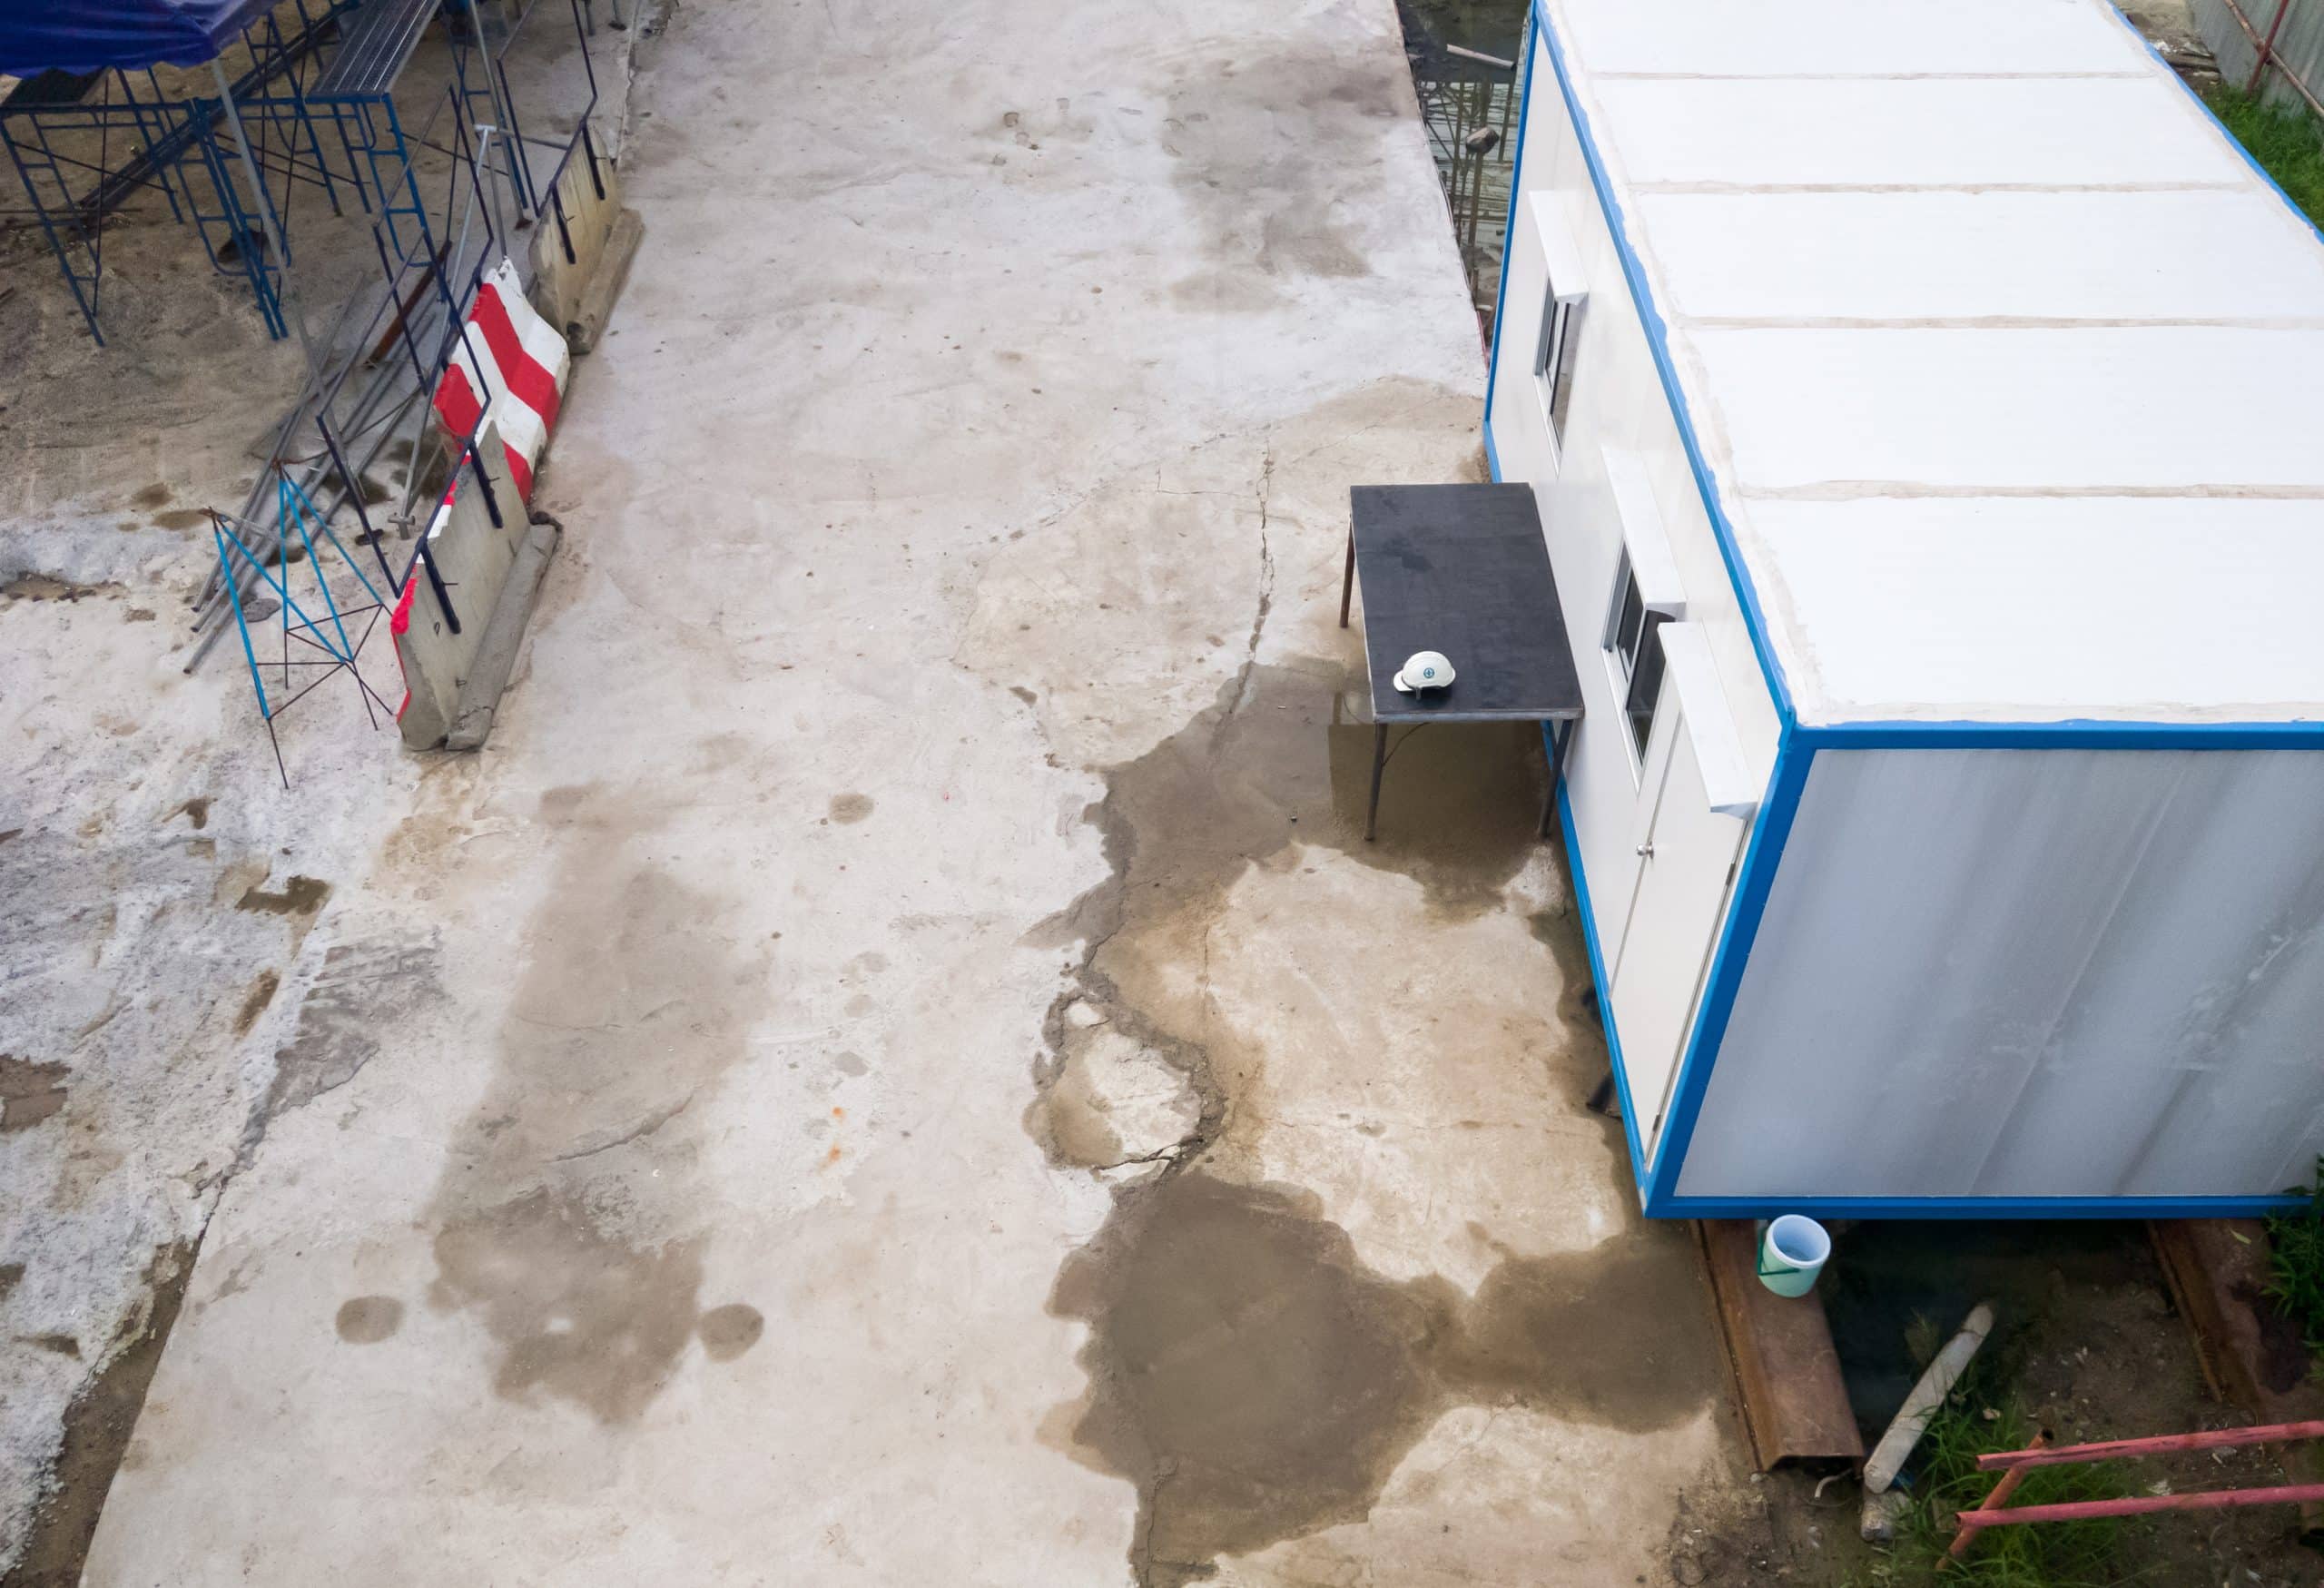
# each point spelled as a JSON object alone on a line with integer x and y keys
{"x": 1423, "y": 670}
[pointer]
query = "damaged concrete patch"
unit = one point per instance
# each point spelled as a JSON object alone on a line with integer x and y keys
{"x": 364, "y": 992}
{"x": 1258, "y": 1383}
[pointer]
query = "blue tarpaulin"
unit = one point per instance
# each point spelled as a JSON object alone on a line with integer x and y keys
{"x": 89, "y": 35}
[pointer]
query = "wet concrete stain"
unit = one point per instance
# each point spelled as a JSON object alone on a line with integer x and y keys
{"x": 848, "y": 809}
{"x": 57, "y": 1345}
{"x": 728, "y": 1331}
{"x": 180, "y": 519}
{"x": 1281, "y": 758}
{"x": 298, "y": 896}
{"x": 1258, "y": 1383}
{"x": 366, "y": 1320}
{"x": 255, "y": 1000}
{"x": 156, "y": 495}
{"x": 195, "y": 810}
{"x": 579, "y": 1313}
{"x": 1260, "y": 147}
{"x": 30, "y": 1091}
{"x": 554, "y": 1231}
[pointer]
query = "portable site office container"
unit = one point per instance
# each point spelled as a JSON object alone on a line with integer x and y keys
{"x": 1924, "y": 406}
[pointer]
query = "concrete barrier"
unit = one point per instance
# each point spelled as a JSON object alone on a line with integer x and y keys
{"x": 473, "y": 556}
{"x": 510, "y": 365}
{"x": 581, "y": 250}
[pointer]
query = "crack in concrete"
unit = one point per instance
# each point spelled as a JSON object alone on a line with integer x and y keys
{"x": 645, "y": 1127}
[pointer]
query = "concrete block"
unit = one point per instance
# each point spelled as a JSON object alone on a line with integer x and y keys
{"x": 597, "y": 298}
{"x": 496, "y": 655}
{"x": 473, "y": 555}
{"x": 587, "y": 215}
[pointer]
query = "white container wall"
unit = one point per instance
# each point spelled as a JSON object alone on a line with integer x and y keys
{"x": 1949, "y": 816}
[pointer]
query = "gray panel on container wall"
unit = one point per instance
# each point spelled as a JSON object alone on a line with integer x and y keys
{"x": 2299, "y": 44}
{"x": 2031, "y": 973}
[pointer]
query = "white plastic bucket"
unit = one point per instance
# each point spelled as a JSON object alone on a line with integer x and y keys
{"x": 1792, "y": 1252}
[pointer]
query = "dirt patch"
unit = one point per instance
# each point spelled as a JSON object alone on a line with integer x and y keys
{"x": 255, "y": 1000}
{"x": 30, "y": 1091}
{"x": 180, "y": 519}
{"x": 1258, "y": 1383}
{"x": 298, "y": 896}
{"x": 45, "y": 587}
{"x": 97, "y": 1430}
{"x": 2086, "y": 1341}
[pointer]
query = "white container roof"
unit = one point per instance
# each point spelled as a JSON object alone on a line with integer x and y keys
{"x": 2008, "y": 367}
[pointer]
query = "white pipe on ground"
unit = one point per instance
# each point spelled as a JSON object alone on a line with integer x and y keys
{"x": 1896, "y": 1446}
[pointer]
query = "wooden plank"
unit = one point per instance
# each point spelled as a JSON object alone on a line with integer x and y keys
{"x": 2217, "y": 1272}
{"x": 1779, "y": 1349}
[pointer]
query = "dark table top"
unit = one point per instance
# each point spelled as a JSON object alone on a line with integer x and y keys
{"x": 1461, "y": 570}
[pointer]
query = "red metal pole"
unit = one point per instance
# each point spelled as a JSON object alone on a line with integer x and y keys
{"x": 2146, "y": 1504}
{"x": 1970, "y": 1524}
{"x": 2267, "y": 49}
{"x": 2162, "y": 1444}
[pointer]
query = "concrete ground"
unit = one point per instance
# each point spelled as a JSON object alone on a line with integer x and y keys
{"x": 896, "y": 1065}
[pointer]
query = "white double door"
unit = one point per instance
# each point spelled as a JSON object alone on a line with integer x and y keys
{"x": 1686, "y": 855}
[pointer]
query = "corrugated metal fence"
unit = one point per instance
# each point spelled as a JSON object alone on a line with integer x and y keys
{"x": 2274, "y": 45}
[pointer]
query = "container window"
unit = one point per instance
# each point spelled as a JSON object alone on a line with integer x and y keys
{"x": 1553, "y": 360}
{"x": 1634, "y": 649}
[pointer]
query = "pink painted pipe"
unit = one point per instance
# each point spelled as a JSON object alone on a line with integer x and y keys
{"x": 2161, "y": 1444}
{"x": 2144, "y": 1504}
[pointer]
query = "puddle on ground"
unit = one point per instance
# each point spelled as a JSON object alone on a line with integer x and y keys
{"x": 1256, "y": 1382}
{"x": 1246, "y": 1372}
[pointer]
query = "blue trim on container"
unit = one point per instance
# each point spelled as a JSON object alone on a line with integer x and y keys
{"x": 2233, "y": 141}
{"x": 1524, "y": 88}
{"x": 2077, "y": 733}
{"x": 1761, "y": 860}
{"x": 1658, "y": 343}
{"x": 1979, "y": 1207}
{"x": 1598, "y": 973}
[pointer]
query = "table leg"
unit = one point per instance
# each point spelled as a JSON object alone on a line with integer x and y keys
{"x": 1347, "y": 578}
{"x": 1559, "y": 740}
{"x": 1379, "y": 761}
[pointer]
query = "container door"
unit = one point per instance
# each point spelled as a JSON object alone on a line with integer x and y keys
{"x": 1686, "y": 866}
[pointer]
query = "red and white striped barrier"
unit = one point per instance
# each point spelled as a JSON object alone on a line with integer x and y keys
{"x": 511, "y": 366}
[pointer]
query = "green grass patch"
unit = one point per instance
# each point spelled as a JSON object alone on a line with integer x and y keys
{"x": 1978, "y": 1418}
{"x": 2286, "y": 141}
{"x": 2296, "y": 1261}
